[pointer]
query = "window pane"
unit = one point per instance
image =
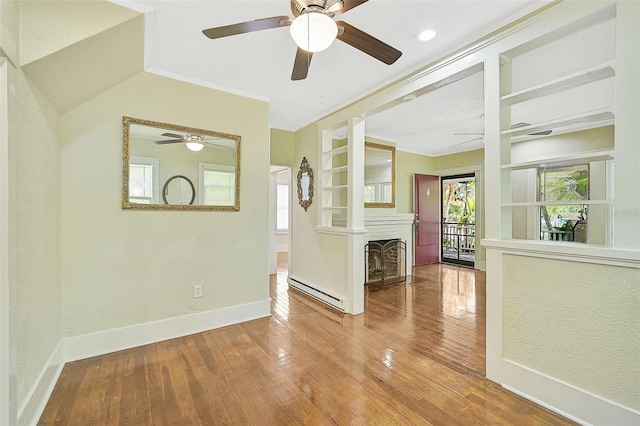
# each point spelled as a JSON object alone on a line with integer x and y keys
{"x": 564, "y": 183}
{"x": 140, "y": 182}
{"x": 282, "y": 212}
{"x": 219, "y": 188}
{"x": 370, "y": 193}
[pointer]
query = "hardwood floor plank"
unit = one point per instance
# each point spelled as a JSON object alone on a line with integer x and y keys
{"x": 415, "y": 357}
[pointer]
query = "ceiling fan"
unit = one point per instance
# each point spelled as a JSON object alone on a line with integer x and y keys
{"x": 514, "y": 126}
{"x": 193, "y": 142}
{"x": 313, "y": 29}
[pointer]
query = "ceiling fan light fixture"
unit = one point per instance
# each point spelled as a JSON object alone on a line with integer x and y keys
{"x": 195, "y": 146}
{"x": 314, "y": 31}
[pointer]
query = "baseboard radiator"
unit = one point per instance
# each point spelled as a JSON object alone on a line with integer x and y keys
{"x": 323, "y": 296}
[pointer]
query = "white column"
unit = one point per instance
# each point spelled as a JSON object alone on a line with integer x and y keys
{"x": 494, "y": 183}
{"x": 496, "y": 150}
{"x": 626, "y": 223}
{"x": 355, "y": 216}
{"x": 355, "y": 158}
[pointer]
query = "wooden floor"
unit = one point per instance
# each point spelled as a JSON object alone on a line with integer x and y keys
{"x": 416, "y": 357}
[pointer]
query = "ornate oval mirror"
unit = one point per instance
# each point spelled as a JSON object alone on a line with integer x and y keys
{"x": 200, "y": 168}
{"x": 305, "y": 184}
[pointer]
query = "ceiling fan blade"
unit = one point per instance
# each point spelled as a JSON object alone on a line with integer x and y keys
{"x": 367, "y": 44}
{"x": 541, "y": 133}
{"x": 301, "y": 64}
{"x": 348, "y": 5}
{"x": 248, "y": 27}
{"x": 169, "y": 141}
{"x": 465, "y": 142}
{"x": 172, "y": 135}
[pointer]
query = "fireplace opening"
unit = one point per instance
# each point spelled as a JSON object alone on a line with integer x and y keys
{"x": 385, "y": 262}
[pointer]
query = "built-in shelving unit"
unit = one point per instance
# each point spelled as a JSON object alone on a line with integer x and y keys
{"x": 564, "y": 160}
{"x": 524, "y": 175}
{"x": 333, "y": 183}
{"x": 568, "y": 82}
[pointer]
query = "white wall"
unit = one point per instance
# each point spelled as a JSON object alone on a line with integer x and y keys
{"x": 122, "y": 268}
{"x": 559, "y": 321}
{"x": 35, "y": 325}
{"x": 320, "y": 259}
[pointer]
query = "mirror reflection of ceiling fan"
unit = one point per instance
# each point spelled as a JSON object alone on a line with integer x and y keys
{"x": 514, "y": 126}
{"x": 193, "y": 142}
{"x": 313, "y": 29}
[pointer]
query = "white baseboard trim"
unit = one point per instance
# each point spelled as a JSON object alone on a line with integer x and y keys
{"x": 327, "y": 296}
{"x": 565, "y": 399}
{"x": 117, "y": 339}
{"x": 103, "y": 342}
{"x": 31, "y": 409}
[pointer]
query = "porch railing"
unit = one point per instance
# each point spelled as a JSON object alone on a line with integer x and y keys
{"x": 458, "y": 241}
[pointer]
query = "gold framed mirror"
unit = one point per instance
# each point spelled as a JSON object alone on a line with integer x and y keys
{"x": 172, "y": 167}
{"x": 305, "y": 184}
{"x": 379, "y": 175}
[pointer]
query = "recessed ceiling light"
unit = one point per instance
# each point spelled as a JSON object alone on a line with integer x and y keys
{"x": 426, "y": 35}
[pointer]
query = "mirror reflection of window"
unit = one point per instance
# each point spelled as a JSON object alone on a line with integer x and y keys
{"x": 143, "y": 180}
{"x": 216, "y": 184}
{"x": 370, "y": 193}
{"x": 386, "y": 192}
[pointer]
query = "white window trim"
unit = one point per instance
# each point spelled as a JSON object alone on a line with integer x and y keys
{"x": 150, "y": 161}
{"x": 210, "y": 166}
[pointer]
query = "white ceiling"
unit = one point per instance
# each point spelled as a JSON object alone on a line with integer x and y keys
{"x": 259, "y": 64}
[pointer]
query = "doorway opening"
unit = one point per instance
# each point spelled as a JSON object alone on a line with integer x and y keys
{"x": 279, "y": 215}
{"x": 458, "y": 226}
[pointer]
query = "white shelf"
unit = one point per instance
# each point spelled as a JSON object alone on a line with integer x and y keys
{"x": 577, "y": 158}
{"x": 336, "y": 151}
{"x": 339, "y": 208}
{"x": 587, "y": 76}
{"x": 333, "y": 188}
{"x": 602, "y": 115}
{"x": 336, "y": 170}
{"x": 559, "y": 203}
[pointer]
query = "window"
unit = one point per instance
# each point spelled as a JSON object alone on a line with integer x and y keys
{"x": 217, "y": 184}
{"x": 143, "y": 180}
{"x": 377, "y": 192}
{"x": 370, "y": 193}
{"x": 563, "y": 189}
{"x": 282, "y": 201}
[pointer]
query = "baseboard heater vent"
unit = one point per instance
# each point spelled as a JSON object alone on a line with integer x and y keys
{"x": 320, "y": 295}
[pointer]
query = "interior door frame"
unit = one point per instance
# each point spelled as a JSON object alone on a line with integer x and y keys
{"x": 273, "y": 205}
{"x": 471, "y": 176}
{"x": 480, "y": 262}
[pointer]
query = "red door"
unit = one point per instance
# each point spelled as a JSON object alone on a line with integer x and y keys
{"x": 426, "y": 209}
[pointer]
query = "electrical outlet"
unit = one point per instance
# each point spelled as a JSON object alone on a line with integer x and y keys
{"x": 197, "y": 291}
